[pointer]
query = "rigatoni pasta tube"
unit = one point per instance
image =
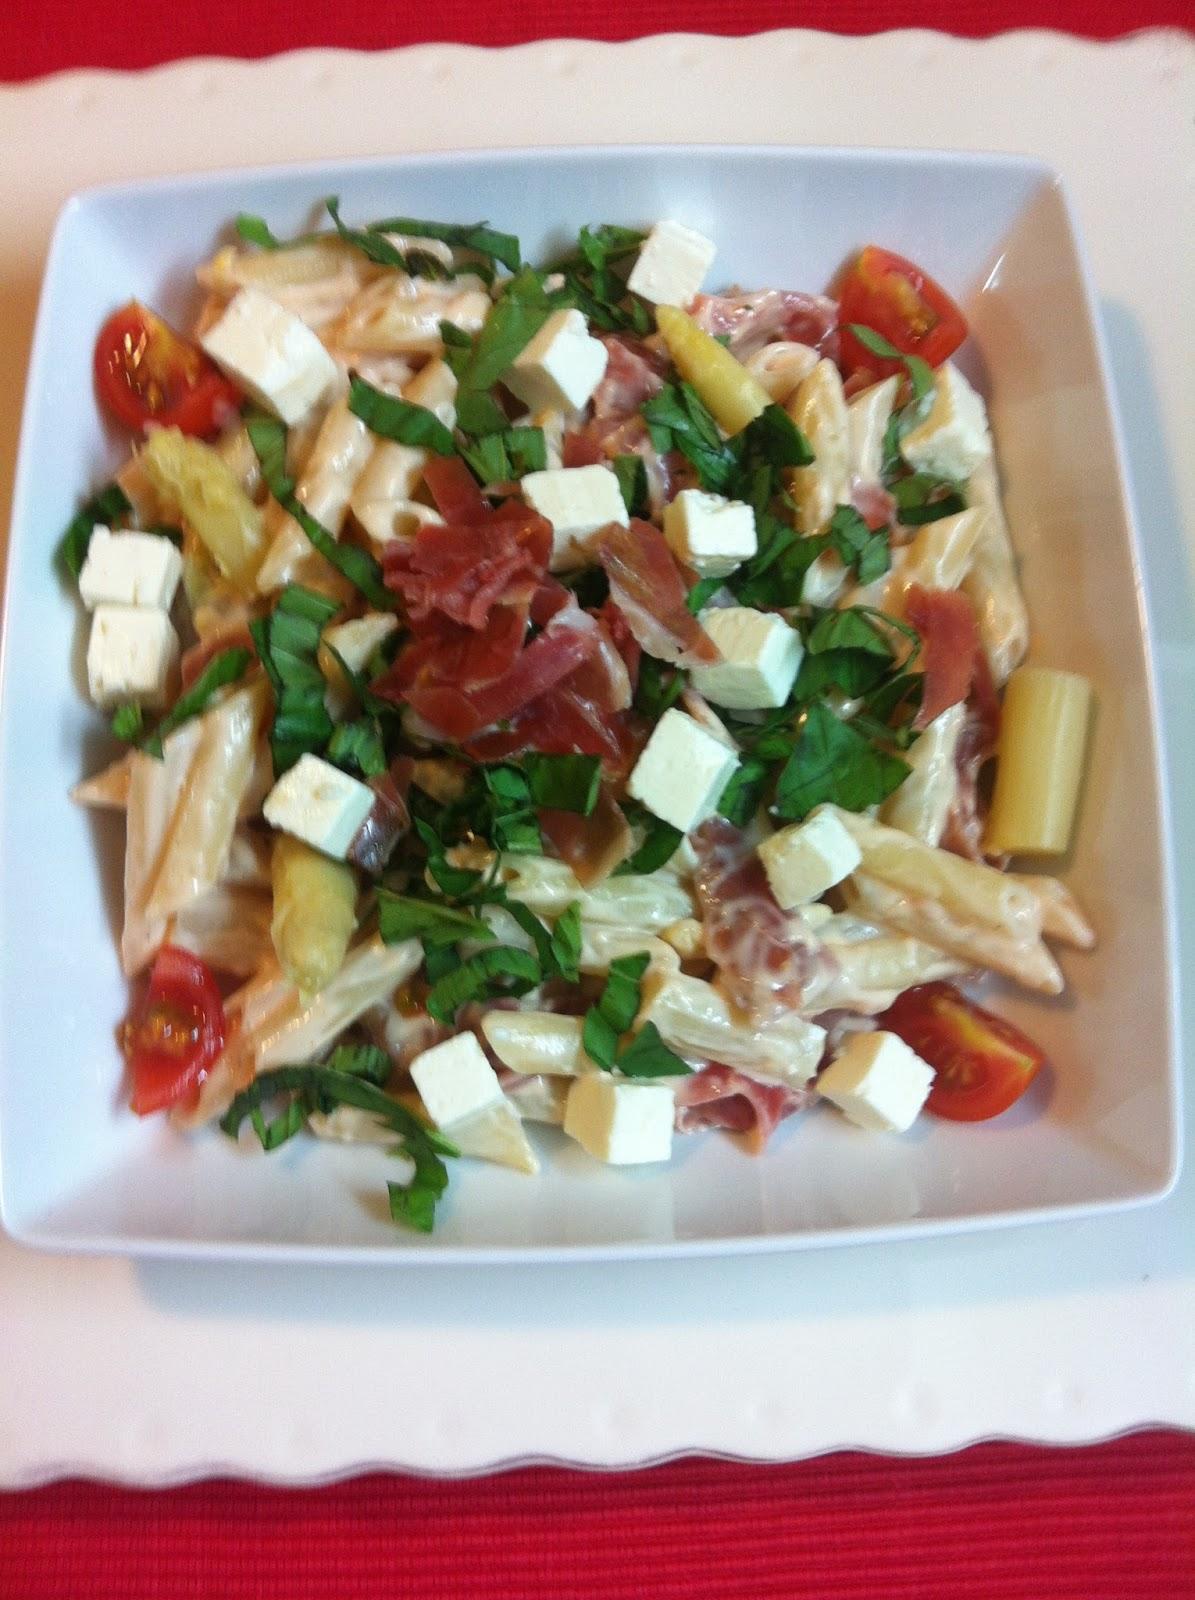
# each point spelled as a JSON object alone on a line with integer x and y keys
{"x": 1043, "y": 740}
{"x": 733, "y": 396}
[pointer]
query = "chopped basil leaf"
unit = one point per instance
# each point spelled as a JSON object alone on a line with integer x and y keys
{"x": 775, "y": 575}
{"x": 498, "y": 970}
{"x": 366, "y": 1061}
{"x": 594, "y": 285}
{"x": 513, "y": 824}
{"x": 742, "y": 796}
{"x": 103, "y": 509}
{"x": 399, "y": 420}
{"x": 377, "y": 249}
{"x": 660, "y": 686}
{"x": 268, "y": 438}
{"x": 701, "y": 593}
{"x": 774, "y": 440}
{"x": 288, "y": 643}
{"x": 619, "y": 1002}
{"x": 631, "y": 472}
{"x": 316, "y": 1088}
{"x": 475, "y": 236}
{"x": 921, "y": 376}
{"x": 678, "y": 419}
{"x": 660, "y": 840}
{"x": 854, "y": 672}
{"x": 647, "y": 1056}
{"x": 127, "y": 722}
{"x": 358, "y": 747}
{"x": 897, "y": 700}
{"x": 564, "y": 783}
{"x": 255, "y": 230}
{"x": 457, "y": 346}
{"x": 857, "y": 545}
{"x": 517, "y": 317}
{"x": 565, "y": 947}
{"x": 505, "y": 456}
{"x": 833, "y": 762}
{"x": 921, "y": 498}
{"x": 227, "y": 667}
{"x": 402, "y": 916}
{"x": 851, "y": 629}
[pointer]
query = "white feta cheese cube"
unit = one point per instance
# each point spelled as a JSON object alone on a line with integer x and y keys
{"x": 132, "y": 654}
{"x": 954, "y": 437}
{"x": 455, "y": 1080}
{"x": 319, "y": 804}
{"x": 577, "y": 501}
{"x": 709, "y": 533}
{"x": 560, "y": 367}
{"x": 623, "y": 1124}
{"x": 130, "y": 569}
{"x": 461, "y": 1094}
{"x": 671, "y": 265}
{"x": 272, "y": 354}
{"x": 877, "y": 1082}
{"x": 805, "y": 859}
{"x": 682, "y": 771}
{"x": 761, "y": 656}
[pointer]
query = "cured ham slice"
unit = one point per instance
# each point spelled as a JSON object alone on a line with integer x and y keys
{"x": 765, "y": 961}
{"x": 593, "y": 846}
{"x": 647, "y": 587}
{"x": 720, "y": 1097}
{"x": 945, "y": 619}
{"x": 976, "y": 746}
{"x": 634, "y": 372}
{"x": 752, "y": 320}
{"x": 463, "y": 570}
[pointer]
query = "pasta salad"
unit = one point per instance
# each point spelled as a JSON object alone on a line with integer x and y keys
{"x": 564, "y": 695}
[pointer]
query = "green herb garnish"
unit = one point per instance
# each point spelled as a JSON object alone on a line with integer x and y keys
{"x": 498, "y": 970}
{"x": 832, "y": 762}
{"x": 564, "y": 783}
{"x": 102, "y": 509}
{"x": 399, "y": 420}
{"x": 227, "y": 667}
{"x": 646, "y": 1055}
{"x": 288, "y": 644}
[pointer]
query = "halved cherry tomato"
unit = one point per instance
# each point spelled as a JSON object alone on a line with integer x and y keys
{"x": 176, "y": 1032}
{"x": 982, "y": 1063}
{"x": 145, "y": 372}
{"x": 904, "y": 305}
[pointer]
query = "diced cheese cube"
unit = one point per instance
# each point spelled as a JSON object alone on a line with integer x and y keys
{"x": 455, "y": 1080}
{"x": 671, "y": 265}
{"x": 878, "y": 1082}
{"x": 804, "y": 860}
{"x": 540, "y": 1098}
{"x": 434, "y": 386}
{"x": 682, "y": 771}
{"x": 761, "y": 656}
{"x": 623, "y": 1124}
{"x": 709, "y": 533}
{"x": 319, "y": 804}
{"x": 272, "y": 354}
{"x": 954, "y": 437}
{"x": 461, "y": 1094}
{"x": 131, "y": 656}
{"x": 130, "y": 569}
{"x": 577, "y": 501}
{"x": 560, "y": 367}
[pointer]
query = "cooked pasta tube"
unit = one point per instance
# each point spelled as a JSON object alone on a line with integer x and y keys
{"x": 533, "y": 1042}
{"x": 403, "y": 314}
{"x": 1040, "y": 760}
{"x": 434, "y": 386}
{"x": 315, "y": 280}
{"x": 602, "y": 943}
{"x": 869, "y": 973}
{"x": 868, "y": 415}
{"x": 229, "y": 928}
{"x": 1062, "y": 916}
{"x": 939, "y": 556}
{"x": 921, "y": 806}
{"x": 647, "y": 901}
{"x": 970, "y": 890}
{"x": 383, "y": 496}
{"x": 992, "y": 583}
{"x": 338, "y": 457}
{"x": 732, "y": 394}
{"x": 780, "y": 366}
{"x": 695, "y": 1020}
{"x": 108, "y": 789}
{"x": 819, "y": 409}
{"x": 936, "y": 922}
{"x": 315, "y": 912}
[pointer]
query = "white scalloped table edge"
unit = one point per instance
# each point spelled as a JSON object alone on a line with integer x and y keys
{"x": 1072, "y": 1303}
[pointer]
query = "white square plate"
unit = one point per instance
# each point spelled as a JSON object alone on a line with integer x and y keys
{"x": 78, "y": 1171}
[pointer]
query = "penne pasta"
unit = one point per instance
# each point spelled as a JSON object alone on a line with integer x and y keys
{"x": 869, "y": 973}
{"x": 229, "y": 928}
{"x": 1062, "y": 916}
{"x": 637, "y": 901}
{"x": 338, "y": 457}
{"x": 921, "y": 805}
{"x": 868, "y": 415}
{"x": 780, "y": 366}
{"x": 397, "y": 313}
{"x": 695, "y": 1020}
{"x": 819, "y": 409}
{"x": 992, "y": 583}
{"x": 534, "y": 1042}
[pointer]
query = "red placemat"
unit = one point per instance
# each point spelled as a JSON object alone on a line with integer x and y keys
{"x": 47, "y": 35}
{"x": 996, "y": 1522}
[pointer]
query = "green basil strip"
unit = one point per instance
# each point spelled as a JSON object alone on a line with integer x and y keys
{"x": 501, "y": 969}
{"x": 834, "y": 763}
{"x": 227, "y": 667}
{"x": 647, "y": 1056}
{"x": 101, "y": 510}
{"x": 403, "y": 916}
{"x": 399, "y": 420}
{"x": 476, "y": 236}
{"x": 564, "y": 783}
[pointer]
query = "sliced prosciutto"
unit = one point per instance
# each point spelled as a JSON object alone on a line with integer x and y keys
{"x": 755, "y": 319}
{"x": 720, "y": 1097}
{"x": 945, "y": 619}
{"x": 563, "y": 722}
{"x": 634, "y": 372}
{"x": 976, "y": 746}
{"x": 463, "y": 570}
{"x": 765, "y": 961}
{"x": 594, "y": 845}
{"x": 873, "y": 503}
{"x": 647, "y": 587}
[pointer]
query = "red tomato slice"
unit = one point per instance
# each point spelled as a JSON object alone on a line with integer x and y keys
{"x": 176, "y": 1032}
{"x": 145, "y": 372}
{"x": 982, "y": 1063}
{"x": 904, "y": 305}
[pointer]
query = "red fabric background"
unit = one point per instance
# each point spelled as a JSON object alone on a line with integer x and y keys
{"x": 997, "y": 1522}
